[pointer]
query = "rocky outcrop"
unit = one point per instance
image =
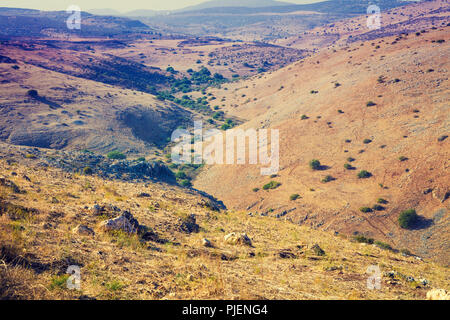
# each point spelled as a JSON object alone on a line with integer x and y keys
{"x": 189, "y": 224}
{"x": 235, "y": 238}
{"x": 126, "y": 223}
{"x": 83, "y": 230}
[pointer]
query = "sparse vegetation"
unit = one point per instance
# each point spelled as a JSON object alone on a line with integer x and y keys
{"x": 315, "y": 164}
{"x": 408, "y": 219}
{"x": 363, "y": 174}
{"x": 271, "y": 185}
{"x": 116, "y": 155}
{"x": 294, "y": 196}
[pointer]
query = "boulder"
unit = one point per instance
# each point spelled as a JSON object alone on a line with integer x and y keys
{"x": 317, "y": 250}
{"x": 126, "y": 223}
{"x": 189, "y": 224}
{"x": 438, "y": 294}
{"x": 83, "y": 230}
{"x": 206, "y": 243}
{"x": 238, "y": 238}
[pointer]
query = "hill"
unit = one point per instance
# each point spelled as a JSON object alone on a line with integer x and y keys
{"x": 374, "y": 102}
{"x": 52, "y": 219}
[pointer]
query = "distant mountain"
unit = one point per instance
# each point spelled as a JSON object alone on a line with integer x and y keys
{"x": 34, "y": 23}
{"x": 235, "y": 3}
{"x": 105, "y": 12}
{"x": 145, "y": 13}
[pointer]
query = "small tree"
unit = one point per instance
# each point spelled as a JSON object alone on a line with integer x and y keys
{"x": 364, "y": 174}
{"x": 315, "y": 164}
{"x": 116, "y": 155}
{"x": 408, "y": 218}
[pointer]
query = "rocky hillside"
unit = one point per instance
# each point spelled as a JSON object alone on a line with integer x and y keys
{"x": 374, "y": 113}
{"x": 157, "y": 241}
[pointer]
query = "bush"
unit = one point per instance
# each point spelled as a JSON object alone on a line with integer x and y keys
{"x": 367, "y": 141}
{"x": 383, "y": 245}
{"x": 327, "y": 179}
{"x": 378, "y": 207}
{"x": 365, "y": 209}
{"x": 370, "y": 104}
{"x": 116, "y": 155}
{"x": 294, "y": 197}
{"x": 348, "y": 166}
{"x": 185, "y": 183}
{"x": 363, "y": 174}
{"x": 363, "y": 239}
{"x": 315, "y": 164}
{"x": 255, "y": 189}
{"x": 88, "y": 170}
{"x": 402, "y": 158}
{"x": 304, "y": 117}
{"x": 408, "y": 218}
{"x": 271, "y": 185}
{"x": 350, "y": 159}
{"x": 382, "y": 201}
{"x": 33, "y": 93}
{"x": 180, "y": 175}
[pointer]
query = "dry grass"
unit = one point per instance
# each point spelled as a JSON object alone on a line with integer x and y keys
{"x": 120, "y": 266}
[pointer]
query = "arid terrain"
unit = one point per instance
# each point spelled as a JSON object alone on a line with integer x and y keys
{"x": 87, "y": 177}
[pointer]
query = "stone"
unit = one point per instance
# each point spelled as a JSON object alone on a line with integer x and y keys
{"x": 83, "y": 230}
{"x": 238, "y": 238}
{"x": 206, "y": 243}
{"x": 126, "y": 223}
{"x": 438, "y": 294}
{"x": 318, "y": 251}
{"x": 189, "y": 224}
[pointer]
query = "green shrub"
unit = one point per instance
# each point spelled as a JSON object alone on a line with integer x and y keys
{"x": 383, "y": 245}
{"x": 378, "y": 207}
{"x": 185, "y": 183}
{"x": 327, "y": 179}
{"x": 382, "y": 201}
{"x": 294, "y": 196}
{"x": 367, "y": 141}
{"x": 271, "y": 185}
{"x": 370, "y": 104}
{"x": 350, "y": 159}
{"x": 402, "y": 158}
{"x": 363, "y": 239}
{"x": 180, "y": 175}
{"x": 255, "y": 189}
{"x": 365, "y": 209}
{"x": 116, "y": 155}
{"x": 348, "y": 166}
{"x": 304, "y": 117}
{"x": 88, "y": 171}
{"x": 315, "y": 164}
{"x": 408, "y": 218}
{"x": 59, "y": 282}
{"x": 363, "y": 174}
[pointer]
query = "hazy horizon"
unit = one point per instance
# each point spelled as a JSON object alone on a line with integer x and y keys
{"x": 116, "y": 5}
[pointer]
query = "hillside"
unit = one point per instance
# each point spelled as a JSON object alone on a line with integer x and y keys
{"x": 378, "y": 104}
{"x": 51, "y": 219}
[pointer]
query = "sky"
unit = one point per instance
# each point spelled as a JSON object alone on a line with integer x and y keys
{"x": 119, "y": 5}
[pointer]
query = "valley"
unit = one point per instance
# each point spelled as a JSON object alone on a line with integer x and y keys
{"x": 87, "y": 175}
